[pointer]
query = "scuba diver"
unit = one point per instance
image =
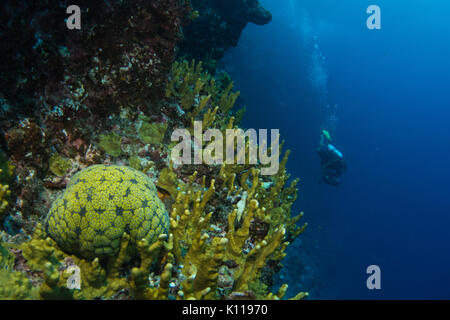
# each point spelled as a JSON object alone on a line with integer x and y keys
{"x": 331, "y": 159}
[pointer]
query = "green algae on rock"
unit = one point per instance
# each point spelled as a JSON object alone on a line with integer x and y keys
{"x": 111, "y": 144}
{"x": 59, "y": 165}
{"x": 153, "y": 133}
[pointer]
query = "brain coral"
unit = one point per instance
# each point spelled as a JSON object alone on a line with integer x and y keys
{"x": 101, "y": 203}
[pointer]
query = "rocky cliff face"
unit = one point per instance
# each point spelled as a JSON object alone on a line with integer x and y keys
{"x": 218, "y": 26}
{"x": 124, "y": 49}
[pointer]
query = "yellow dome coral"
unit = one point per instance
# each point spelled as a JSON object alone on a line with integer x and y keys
{"x": 99, "y": 205}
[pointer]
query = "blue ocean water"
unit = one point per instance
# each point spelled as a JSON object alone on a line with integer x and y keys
{"x": 389, "y": 90}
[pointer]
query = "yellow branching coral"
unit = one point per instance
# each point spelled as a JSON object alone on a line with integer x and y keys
{"x": 40, "y": 250}
{"x": 250, "y": 264}
{"x": 4, "y": 194}
{"x": 202, "y": 253}
{"x": 42, "y": 255}
{"x": 227, "y": 98}
{"x": 16, "y": 286}
{"x": 13, "y": 285}
{"x": 140, "y": 276}
{"x": 6, "y": 258}
{"x": 257, "y": 228}
{"x": 199, "y": 94}
{"x": 238, "y": 237}
{"x": 275, "y": 200}
{"x": 97, "y": 279}
{"x": 188, "y": 216}
{"x": 168, "y": 181}
{"x": 202, "y": 264}
{"x": 6, "y": 172}
{"x": 53, "y": 286}
{"x": 187, "y": 81}
{"x": 258, "y": 256}
{"x": 282, "y": 292}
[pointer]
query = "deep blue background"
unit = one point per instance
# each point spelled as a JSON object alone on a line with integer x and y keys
{"x": 392, "y": 87}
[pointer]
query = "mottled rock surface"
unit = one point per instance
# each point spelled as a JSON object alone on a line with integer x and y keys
{"x": 218, "y": 27}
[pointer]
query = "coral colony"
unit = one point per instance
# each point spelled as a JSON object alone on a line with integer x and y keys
{"x": 92, "y": 203}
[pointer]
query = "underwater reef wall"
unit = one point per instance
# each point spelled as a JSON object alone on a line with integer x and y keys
{"x": 89, "y": 190}
{"x": 217, "y": 26}
{"x": 122, "y": 54}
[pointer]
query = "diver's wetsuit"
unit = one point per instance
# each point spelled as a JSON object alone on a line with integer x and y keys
{"x": 332, "y": 162}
